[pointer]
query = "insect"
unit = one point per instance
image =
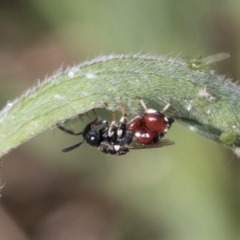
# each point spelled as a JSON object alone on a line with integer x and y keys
{"x": 105, "y": 139}
{"x": 201, "y": 64}
{"x": 117, "y": 138}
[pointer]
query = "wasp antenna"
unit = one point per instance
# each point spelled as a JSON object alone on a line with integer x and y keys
{"x": 68, "y": 130}
{"x": 68, "y": 149}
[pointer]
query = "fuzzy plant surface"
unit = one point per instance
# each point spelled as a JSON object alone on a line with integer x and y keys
{"x": 202, "y": 100}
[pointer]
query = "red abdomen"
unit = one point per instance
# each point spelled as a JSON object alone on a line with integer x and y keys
{"x": 145, "y": 136}
{"x": 154, "y": 122}
{"x": 134, "y": 124}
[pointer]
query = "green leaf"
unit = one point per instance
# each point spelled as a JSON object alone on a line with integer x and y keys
{"x": 202, "y": 100}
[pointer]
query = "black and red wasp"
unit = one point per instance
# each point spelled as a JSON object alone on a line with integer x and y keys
{"x": 117, "y": 138}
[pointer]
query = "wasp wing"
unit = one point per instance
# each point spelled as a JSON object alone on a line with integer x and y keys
{"x": 215, "y": 58}
{"x": 160, "y": 143}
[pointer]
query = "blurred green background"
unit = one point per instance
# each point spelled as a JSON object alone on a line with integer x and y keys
{"x": 187, "y": 191}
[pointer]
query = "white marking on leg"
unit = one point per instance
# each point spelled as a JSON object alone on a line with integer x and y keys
{"x": 119, "y": 132}
{"x": 110, "y": 131}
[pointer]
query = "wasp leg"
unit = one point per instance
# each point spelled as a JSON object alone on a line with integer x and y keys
{"x": 145, "y": 107}
{"x": 166, "y": 107}
{"x": 98, "y": 120}
{"x": 112, "y": 125}
{"x": 142, "y": 104}
{"x": 122, "y": 122}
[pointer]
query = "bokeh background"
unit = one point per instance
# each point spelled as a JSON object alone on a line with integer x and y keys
{"x": 187, "y": 191}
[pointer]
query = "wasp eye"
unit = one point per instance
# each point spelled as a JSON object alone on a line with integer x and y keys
{"x": 93, "y": 140}
{"x": 91, "y": 135}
